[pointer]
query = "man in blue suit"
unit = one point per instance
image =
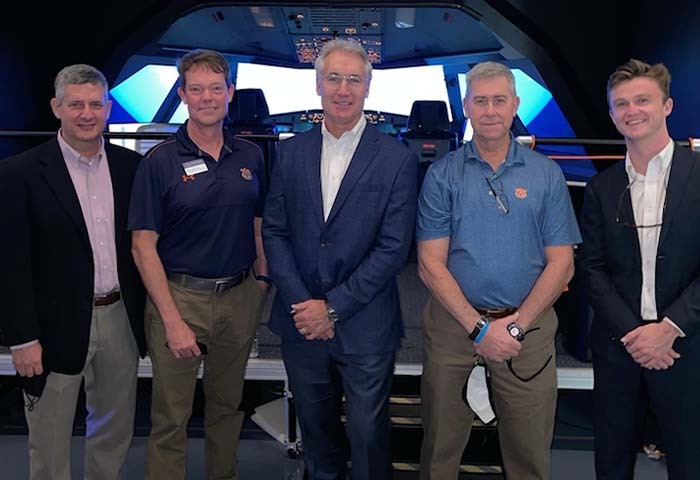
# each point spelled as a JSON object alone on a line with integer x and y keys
{"x": 337, "y": 229}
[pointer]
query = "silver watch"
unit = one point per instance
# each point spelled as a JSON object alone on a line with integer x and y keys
{"x": 332, "y": 314}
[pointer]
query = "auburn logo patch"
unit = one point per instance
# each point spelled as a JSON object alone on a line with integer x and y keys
{"x": 521, "y": 193}
{"x": 246, "y": 174}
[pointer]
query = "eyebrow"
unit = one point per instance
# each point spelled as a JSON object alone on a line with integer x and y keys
{"x": 345, "y": 75}
{"x": 478, "y": 97}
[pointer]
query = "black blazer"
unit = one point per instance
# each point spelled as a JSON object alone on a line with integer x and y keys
{"x": 610, "y": 257}
{"x": 47, "y": 277}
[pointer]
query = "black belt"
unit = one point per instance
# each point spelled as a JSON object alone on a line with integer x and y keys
{"x": 216, "y": 285}
{"x": 109, "y": 299}
{"x": 496, "y": 312}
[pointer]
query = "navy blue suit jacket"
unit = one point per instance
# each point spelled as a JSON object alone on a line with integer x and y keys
{"x": 47, "y": 286}
{"x": 610, "y": 258}
{"x": 353, "y": 257}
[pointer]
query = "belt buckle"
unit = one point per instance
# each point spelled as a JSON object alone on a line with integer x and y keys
{"x": 222, "y": 285}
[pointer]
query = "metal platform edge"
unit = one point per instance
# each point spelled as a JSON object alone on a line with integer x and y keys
{"x": 571, "y": 378}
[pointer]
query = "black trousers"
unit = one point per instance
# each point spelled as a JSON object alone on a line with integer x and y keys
{"x": 623, "y": 393}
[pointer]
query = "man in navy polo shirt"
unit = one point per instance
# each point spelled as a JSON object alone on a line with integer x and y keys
{"x": 495, "y": 231}
{"x": 196, "y": 216}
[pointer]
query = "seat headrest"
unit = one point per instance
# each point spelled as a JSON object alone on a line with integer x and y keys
{"x": 248, "y": 106}
{"x": 428, "y": 116}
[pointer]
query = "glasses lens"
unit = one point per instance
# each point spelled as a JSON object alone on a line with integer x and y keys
{"x": 335, "y": 79}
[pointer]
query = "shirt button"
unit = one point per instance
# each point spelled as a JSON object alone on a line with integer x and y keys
{"x": 98, "y": 220}
{"x": 94, "y": 197}
{"x": 490, "y": 194}
{"x": 102, "y": 244}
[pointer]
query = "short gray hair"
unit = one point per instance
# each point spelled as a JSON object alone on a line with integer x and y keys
{"x": 489, "y": 70}
{"x": 346, "y": 46}
{"x": 78, "y": 74}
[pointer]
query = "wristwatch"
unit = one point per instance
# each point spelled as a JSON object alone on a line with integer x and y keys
{"x": 332, "y": 314}
{"x": 481, "y": 321}
{"x": 516, "y": 331}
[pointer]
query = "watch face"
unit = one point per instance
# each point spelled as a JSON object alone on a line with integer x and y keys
{"x": 515, "y": 331}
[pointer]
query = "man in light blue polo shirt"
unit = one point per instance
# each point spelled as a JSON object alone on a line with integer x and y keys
{"x": 495, "y": 235}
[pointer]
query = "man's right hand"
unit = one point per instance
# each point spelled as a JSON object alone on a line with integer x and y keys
{"x": 27, "y": 360}
{"x": 181, "y": 340}
{"x": 498, "y": 345}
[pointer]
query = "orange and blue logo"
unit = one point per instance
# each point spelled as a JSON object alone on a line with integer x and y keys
{"x": 246, "y": 174}
{"x": 521, "y": 193}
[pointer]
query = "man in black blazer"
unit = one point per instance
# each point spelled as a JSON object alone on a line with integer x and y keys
{"x": 641, "y": 258}
{"x": 337, "y": 228}
{"x": 71, "y": 299}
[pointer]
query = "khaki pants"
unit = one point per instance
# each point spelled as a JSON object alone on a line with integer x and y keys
{"x": 110, "y": 397}
{"x": 525, "y": 410}
{"x": 226, "y": 322}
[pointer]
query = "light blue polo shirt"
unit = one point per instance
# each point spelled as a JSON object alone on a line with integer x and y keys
{"x": 496, "y": 257}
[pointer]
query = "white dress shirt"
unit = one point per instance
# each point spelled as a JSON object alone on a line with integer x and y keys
{"x": 336, "y": 154}
{"x": 648, "y": 195}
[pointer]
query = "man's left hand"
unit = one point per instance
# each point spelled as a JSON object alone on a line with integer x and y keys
{"x": 311, "y": 319}
{"x": 498, "y": 345}
{"x": 652, "y": 345}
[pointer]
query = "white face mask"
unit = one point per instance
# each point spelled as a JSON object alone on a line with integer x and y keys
{"x": 476, "y": 394}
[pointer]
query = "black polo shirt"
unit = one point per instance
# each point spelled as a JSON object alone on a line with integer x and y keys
{"x": 205, "y": 219}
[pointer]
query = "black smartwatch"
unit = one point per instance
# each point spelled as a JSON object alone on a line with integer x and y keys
{"x": 516, "y": 331}
{"x": 478, "y": 326}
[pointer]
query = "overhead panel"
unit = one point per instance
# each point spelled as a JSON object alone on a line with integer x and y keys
{"x": 310, "y": 28}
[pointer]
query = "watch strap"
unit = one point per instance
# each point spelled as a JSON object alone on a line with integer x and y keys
{"x": 478, "y": 326}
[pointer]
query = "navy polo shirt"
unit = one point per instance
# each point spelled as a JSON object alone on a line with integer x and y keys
{"x": 496, "y": 257}
{"x": 204, "y": 220}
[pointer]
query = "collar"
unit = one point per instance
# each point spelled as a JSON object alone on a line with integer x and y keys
{"x": 186, "y": 145}
{"x": 658, "y": 165}
{"x": 513, "y": 157}
{"x": 72, "y": 155}
{"x": 348, "y": 135}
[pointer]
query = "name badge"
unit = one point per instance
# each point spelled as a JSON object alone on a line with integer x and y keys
{"x": 194, "y": 167}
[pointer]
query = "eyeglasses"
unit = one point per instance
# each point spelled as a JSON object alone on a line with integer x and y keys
{"x": 336, "y": 79}
{"x": 530, "y": 377}
{"x": 621, "y": 221}
{"x": 499, "y": 195}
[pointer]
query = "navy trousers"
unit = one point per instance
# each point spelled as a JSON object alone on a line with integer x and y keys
{"x": 318, "y": 377}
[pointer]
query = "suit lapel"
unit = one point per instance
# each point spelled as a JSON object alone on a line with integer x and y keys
{"x": 312, "y": 163}
{"x": 57, "y": 177}
{"x": 681, "y": 169}
{"x": 624, "y": 210}
{"x": 120, "y": 191}
{"x": 364, "y": 154}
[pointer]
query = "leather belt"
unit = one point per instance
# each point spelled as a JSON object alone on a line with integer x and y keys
{"x": 496, "y": 312}
{"x": 109, "y": 299}
{"x": 216, "y": 285}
